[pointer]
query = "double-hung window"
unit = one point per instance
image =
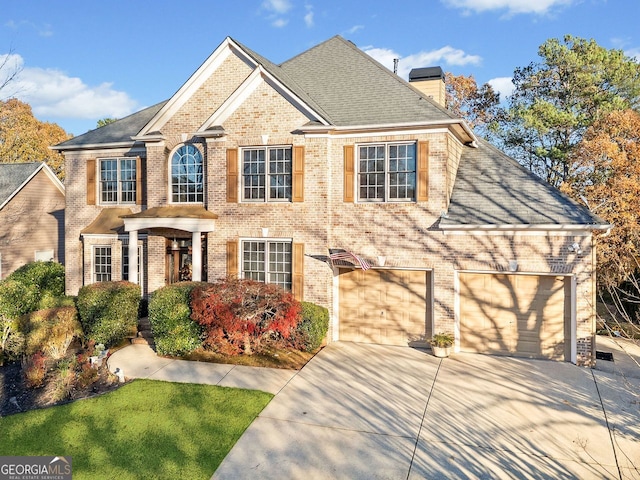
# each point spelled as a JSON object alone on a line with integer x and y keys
{"x": 187, "y": 175}
{"x": 387, "y": 172}
{"x": 101, "y": 263}
{"x": 267, "y": 261}
{"x": 118, "y": 180}
{"x": 266, "y": 174}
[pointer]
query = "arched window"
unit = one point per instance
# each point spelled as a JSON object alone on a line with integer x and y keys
{"x": 187, "y": 178}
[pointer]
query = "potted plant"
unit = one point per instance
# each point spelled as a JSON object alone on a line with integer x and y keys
{"x": 441, "y": 344}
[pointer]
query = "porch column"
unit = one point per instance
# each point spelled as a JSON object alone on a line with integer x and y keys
{"x": 196, "y": 257}
{"x": 133, "y": 256}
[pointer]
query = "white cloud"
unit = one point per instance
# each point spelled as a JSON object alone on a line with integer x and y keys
{"x": 52, "y": 93}
{"x": 503, "y": 85}
{"x": 279, "y": 22}
{"x": 446, "y": 55}
{"x": 633, "y": 53}
{"x": 277, "y": 6}
{"x": 355, "y": 28}
{"x": 513, "y": 7}
{"x": 308, "y": 18}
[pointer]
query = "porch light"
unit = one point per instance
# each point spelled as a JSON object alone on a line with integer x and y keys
{"x": 175, "y": 245}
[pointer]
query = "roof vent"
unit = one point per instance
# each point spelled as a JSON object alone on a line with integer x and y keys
{"x": 430, "y": 81}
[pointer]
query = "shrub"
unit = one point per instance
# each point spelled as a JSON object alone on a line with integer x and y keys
{"x": 15, "y": 301}
{"x": 51, "y": 331}
{"x": 109, "y": 311}
{"x": 174, "y": 332}
{"x": 47, "y": 278}
{"x": 35, "y": 369}
{"x": 313, "y": 327}
{"x": 238, "y": 315}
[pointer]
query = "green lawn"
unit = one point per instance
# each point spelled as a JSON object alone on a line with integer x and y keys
{"x": 146, "y": 429}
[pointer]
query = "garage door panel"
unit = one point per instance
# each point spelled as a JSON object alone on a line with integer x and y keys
{"x": 383, "y": 306}
{"x": 527, "y": 316}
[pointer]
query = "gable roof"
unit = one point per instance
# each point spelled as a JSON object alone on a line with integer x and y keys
{"x": 492, "y": 189}
{"x": 344, "y": 86}
{"x": 14, "y": 176}
{"x": 354, "y": 89}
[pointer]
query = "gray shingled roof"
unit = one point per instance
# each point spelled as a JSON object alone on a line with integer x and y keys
{"x": 117, "y": 132}
{"x": 12, "y": 175}
{"x": 493, "y": 189}
{"x": 354, "y": 89}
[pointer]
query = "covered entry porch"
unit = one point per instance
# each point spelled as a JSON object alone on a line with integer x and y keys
{"x": 192, "y": 222}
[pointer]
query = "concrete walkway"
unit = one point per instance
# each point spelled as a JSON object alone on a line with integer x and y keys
{"x": 140, "y": 361}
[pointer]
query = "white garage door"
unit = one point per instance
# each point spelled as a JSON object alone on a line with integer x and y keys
{"x": 384, "y": 306}
{"x": 519, "y": 315}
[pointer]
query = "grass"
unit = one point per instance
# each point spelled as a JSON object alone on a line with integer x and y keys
{"x": 146, "y": 429}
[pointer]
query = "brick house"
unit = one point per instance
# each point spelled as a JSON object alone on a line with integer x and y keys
{"x": 31, "y": 215}
{"x": 258, "y": 170}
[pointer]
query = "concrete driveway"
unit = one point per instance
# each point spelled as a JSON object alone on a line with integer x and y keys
{"x": 367, "y": 411}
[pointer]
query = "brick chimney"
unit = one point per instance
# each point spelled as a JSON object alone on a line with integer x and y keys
{"x": 430, "y": 81}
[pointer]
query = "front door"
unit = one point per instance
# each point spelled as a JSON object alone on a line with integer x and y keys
{"x": 178, "y": 260}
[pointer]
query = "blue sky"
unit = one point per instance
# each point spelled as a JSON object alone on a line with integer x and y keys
{"x": 84, "y": 60}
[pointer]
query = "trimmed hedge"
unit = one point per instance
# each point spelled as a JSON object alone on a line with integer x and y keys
{"x": 313, "y": 328}
{"x": 174, "y": 332}
{"x": 47, "y": 278}
{"x": 51, "y": 331}
{"x": 109, "y": 311}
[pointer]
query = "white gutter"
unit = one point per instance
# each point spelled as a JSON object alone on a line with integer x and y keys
{"x": 94, "y": 145}
{"x": 393, "y": 126}
{"x": 527, "y": 227}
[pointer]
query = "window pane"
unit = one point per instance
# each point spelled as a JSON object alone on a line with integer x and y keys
{"x": 280, "y": 173}
{"x": 128, "y": 180}
{"x": 109, "y": 180}
{"x": 102, "y": 264}
{"x": 253, "y": 167}
{"x": 187, "y": 175}
{"x": 371, "y": 177}
{"x": 253, "y": 265}
{"x": 402, "y": 172}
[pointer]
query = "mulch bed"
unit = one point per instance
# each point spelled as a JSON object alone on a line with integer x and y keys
{"x": 15, "y": 397}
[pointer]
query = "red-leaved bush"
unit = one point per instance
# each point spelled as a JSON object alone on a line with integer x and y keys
{"x": 242, "y": 316}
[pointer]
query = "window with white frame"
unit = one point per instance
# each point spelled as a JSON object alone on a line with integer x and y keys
{"x": 266, "y": 174}
{"x": 118, "y": 180}
{"x": 101, "y": 263}
{"x": 187, "y": 175}
{"x": 267, "y": 261}
{"x": 125, "y": 263}
{"x": 387, "y": 172}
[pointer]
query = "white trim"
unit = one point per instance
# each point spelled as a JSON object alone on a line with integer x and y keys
{"x": 387, "y": 184}
{"x": 501, "y": 229}
{"x": 353, "y": 129}
{"x": 195, "y": 81}
{"x": 574, "y": 320}
{"x": 170, "y": 177}
{"x": 181, "y": 223}
{"x": 250, "y": 84}
{"x": 93, "y": 145}
{"x": 93, "y": 261}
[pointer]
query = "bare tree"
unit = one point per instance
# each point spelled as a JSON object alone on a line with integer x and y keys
{"x": 9, "y": 71}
